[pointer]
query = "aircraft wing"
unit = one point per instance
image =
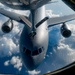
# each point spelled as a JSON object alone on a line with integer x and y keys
{"x": 9, "y": 14}
{"x": 57, "y": 20}
{"x": 14, "y": 16}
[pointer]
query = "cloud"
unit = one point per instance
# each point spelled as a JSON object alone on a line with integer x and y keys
{"x": 61, "y": 50}
{"x": 66, "y": 46}
{"x": 7, "y": 47}
{"x": 34, "y": 72}
{"x": 50, "y": 13}
{"x": 15, "y": 61}
{"x": 6, "y": 63}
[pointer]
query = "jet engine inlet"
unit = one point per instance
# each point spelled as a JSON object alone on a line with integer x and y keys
{"x": 65, "y": 31}
{"x": 7, "y": 26}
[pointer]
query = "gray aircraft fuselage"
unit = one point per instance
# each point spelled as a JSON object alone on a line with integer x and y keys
{"x": 36, "y": 45}
{"x": 33, "y": 41}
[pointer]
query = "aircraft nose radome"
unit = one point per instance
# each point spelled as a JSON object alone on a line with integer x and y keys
{"x": 32, "y": 62}
{"x": 32, "y": 67}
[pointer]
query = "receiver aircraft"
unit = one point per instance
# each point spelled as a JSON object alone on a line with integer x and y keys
{"x": 33, "y": 43}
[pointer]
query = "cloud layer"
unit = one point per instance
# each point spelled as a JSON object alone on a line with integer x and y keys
{"x": 16, "y": 61}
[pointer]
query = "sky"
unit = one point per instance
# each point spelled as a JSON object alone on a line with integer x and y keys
{"x": 61, "y": 51}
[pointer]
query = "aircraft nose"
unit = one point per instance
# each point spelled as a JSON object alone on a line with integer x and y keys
{"x": 32, "y": 58}
{"x": 32, "y": 62}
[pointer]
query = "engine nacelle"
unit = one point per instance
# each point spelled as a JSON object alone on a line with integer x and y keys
{"x": 7, "y": 26}
{"x": 65, "y": 31}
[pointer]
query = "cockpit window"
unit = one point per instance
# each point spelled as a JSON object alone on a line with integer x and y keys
{"x": 35, "y": 52}
{"x": 24, "y": 49}
{"x": 28, "y": 52}
{"x": 40, "y": 50}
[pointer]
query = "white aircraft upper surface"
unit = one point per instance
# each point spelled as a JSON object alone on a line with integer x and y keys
{"x": 34, "y": 37}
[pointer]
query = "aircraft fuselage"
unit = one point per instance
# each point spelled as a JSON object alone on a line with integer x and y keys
{"x": 33, "y": 47}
